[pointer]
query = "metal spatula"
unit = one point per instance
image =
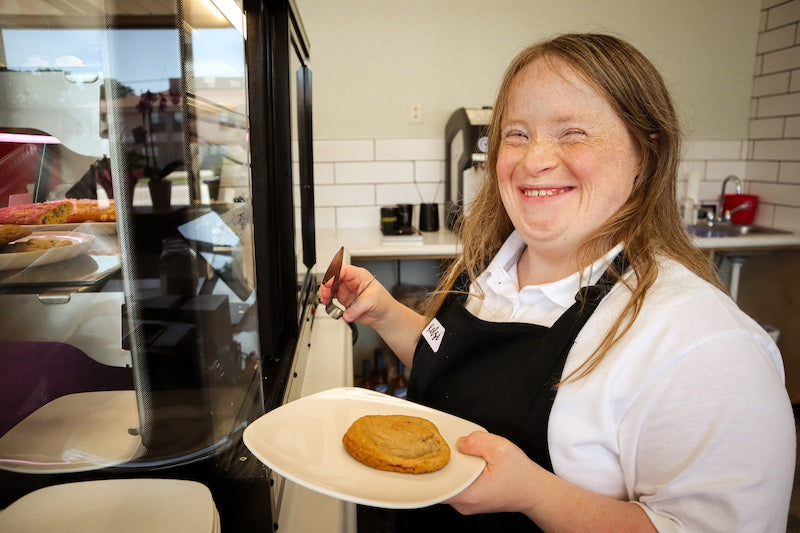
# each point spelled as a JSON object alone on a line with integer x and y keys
{"x": 335, "y": 307}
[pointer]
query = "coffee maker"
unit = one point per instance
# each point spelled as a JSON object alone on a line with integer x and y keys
{"x": 465, "y": 147}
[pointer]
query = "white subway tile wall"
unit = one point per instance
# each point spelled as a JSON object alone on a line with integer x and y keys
{"x": 349, "y": 193}
{"x": 359, "y": 176}
{"x": 354, "y": 178}
{"x": 773, "y": 147}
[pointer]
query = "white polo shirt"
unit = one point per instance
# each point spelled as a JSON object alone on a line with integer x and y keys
{"x": 686, "y": 416}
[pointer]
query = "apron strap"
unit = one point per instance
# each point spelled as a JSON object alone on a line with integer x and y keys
{"x": 522, "y": 402}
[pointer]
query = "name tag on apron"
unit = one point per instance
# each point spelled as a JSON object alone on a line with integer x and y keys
{"x": 433, "y": 334}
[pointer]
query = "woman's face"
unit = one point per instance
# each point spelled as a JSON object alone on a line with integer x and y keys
{"x": 566, "y": 161}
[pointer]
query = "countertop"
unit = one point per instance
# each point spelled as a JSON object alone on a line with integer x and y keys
{"x": 749, "y": 243}
{"x": 367, "y": 244}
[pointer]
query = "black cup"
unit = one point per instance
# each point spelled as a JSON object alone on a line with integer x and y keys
{"x": 389, "y": 220}
{"x": 405, "y": 212}
{"x": 213, "y": 188}
{"x": 429, "y": 217}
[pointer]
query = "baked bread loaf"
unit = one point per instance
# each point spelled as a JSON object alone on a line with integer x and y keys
{"x": 42, "y": 213}
{"x": 397, "y": 443}
{"x": 92, "y": 211}
{"x": 60, "y": 212}
{"x": 12, "y": 232}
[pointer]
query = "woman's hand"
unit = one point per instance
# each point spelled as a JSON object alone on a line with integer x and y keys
{"x": 511, "y": 482}
{"x": 398, "y": 325}
{"x": 505, "y": 485}
{"x": 355, "y": 282}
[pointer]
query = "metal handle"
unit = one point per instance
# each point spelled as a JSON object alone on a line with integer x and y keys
{"x": 335, "y": 308}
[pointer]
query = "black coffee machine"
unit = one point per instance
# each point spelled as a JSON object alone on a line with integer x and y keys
{"x": 465, "y": 147}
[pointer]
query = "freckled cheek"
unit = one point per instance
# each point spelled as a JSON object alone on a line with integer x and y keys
{"x": 504, "y": 168}
{"x": 603, "y": 170}
{"x": 504, "y": 172}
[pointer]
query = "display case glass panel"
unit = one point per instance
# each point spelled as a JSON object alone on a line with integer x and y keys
{"x": 137, "y": 323}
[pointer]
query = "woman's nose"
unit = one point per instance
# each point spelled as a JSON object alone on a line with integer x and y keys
{"x": 540, "y": 156}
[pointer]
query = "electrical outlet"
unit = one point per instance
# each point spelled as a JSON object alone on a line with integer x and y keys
{"x": 415, "y": 112}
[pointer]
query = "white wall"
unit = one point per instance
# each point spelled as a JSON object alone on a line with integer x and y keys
{"x": 732, "y": 65}
{"x": 372, "y": 57}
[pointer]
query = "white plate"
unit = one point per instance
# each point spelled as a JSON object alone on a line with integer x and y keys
{"x": 302, "y": 441}
{"x": 80, "y": 243}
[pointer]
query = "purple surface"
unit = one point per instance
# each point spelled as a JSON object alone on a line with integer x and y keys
{"x": 35, "y": 373}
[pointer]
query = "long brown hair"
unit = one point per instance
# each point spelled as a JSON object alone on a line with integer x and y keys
{"x": 648, "y": 223}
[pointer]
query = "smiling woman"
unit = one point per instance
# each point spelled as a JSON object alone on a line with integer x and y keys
{"x": 596, "y": 421}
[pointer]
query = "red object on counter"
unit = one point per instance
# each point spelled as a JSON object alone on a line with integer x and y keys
{"x": 745, "y": 214}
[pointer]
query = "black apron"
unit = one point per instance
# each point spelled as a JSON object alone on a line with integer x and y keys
{"x": 500, "y": 375}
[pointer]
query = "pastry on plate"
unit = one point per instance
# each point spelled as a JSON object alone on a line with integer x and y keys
{"x": 41, "y": 213}
{"x": 34, "y": 244}
{"x": 397, "y": 443}
{"x": 12, "y": 232}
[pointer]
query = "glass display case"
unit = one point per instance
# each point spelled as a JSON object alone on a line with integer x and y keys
{"x": 155, "y": 160}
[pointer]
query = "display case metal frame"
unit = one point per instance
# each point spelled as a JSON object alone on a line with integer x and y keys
{"x": 274, "y": 32}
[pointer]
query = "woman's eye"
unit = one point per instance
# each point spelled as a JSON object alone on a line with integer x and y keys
{"x": 573, "y": 132}
{"x": 516, "y": 136}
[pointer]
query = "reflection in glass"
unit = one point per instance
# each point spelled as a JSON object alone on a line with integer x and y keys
{"x": 141, "y": 357}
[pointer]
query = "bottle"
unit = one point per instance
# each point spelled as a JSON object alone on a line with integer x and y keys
{"x": 378, "y": 375}
{"x": 688, "y": 212}
{"x": 365, "y": 375}
{"x": 176, "y": 268}
{"x": 400, "y": 383}
{"x": 391, "y": 369}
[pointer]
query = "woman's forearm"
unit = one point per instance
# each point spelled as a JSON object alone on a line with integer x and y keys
{"x": 369, "y": 303}
{"x": 400, "y": 327}
{"x": 561, "y": 506}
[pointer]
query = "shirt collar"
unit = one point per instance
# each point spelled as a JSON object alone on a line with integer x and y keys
{"x": 501, "y": 274}
{"x": 502, "y": 270}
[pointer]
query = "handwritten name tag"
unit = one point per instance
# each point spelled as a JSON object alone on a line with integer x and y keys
{"x": 433, "y": 334}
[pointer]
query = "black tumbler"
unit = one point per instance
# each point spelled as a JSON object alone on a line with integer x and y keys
{"x": 405, "y": 213}
{"x": 389, "y": 220}
{"x": 429, "y": 217}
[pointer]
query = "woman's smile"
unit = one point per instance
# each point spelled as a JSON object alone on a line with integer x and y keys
{"x": 539, "y": 192}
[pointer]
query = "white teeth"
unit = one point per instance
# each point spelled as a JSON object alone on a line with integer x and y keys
{"x": 542, "y": 192}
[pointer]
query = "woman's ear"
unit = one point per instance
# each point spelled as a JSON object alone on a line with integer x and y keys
{"x": 655, "y": 137}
